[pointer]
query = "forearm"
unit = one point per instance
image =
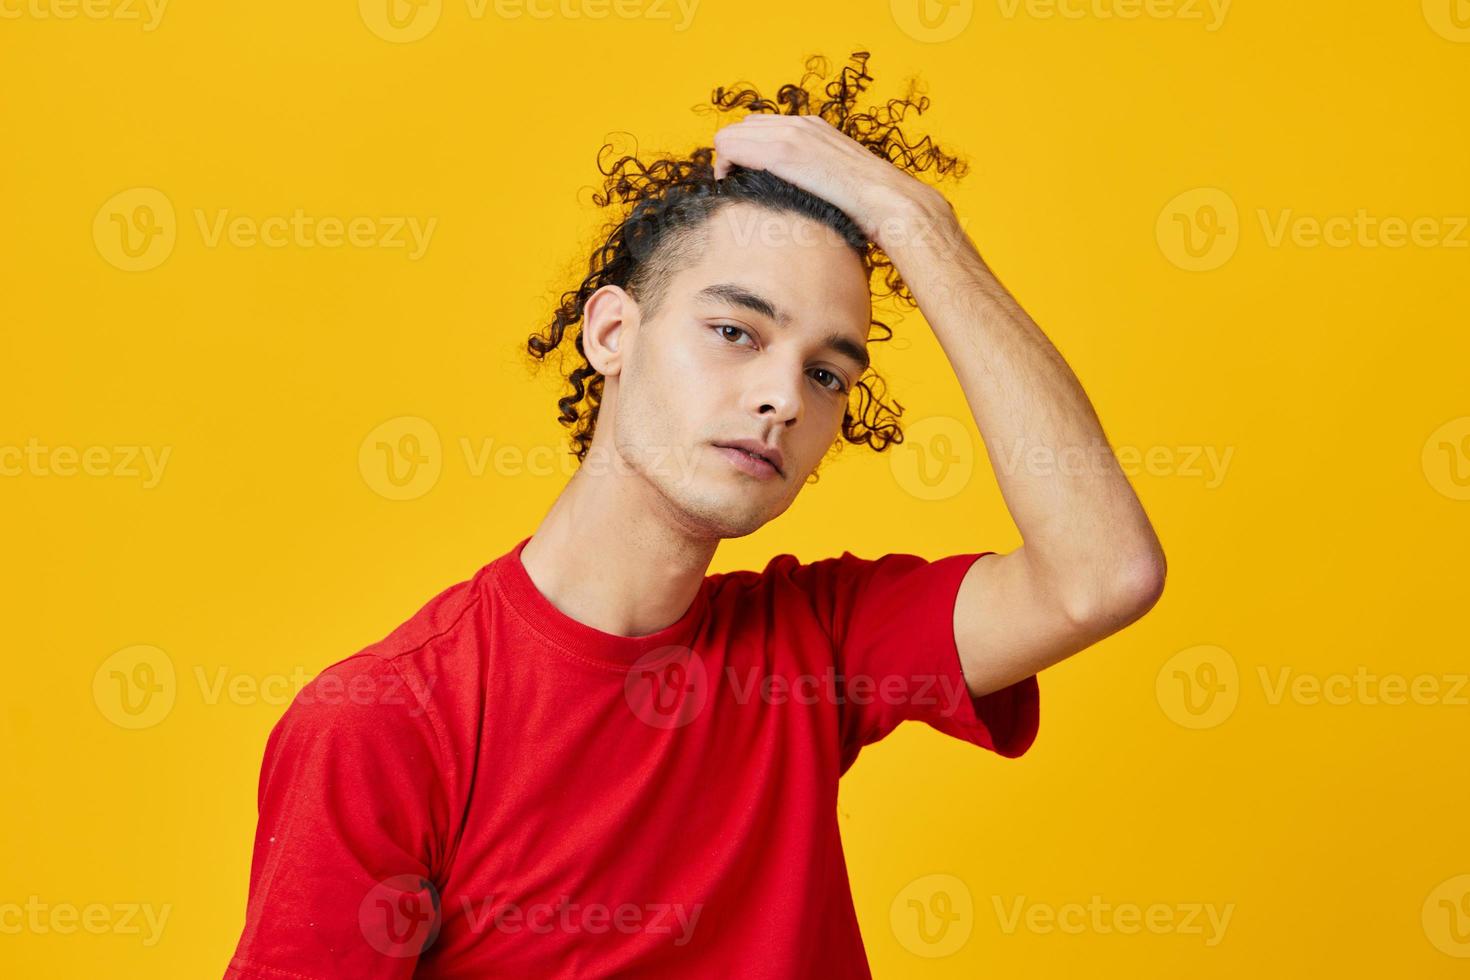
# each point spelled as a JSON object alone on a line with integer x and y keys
{"x": 1084, "y": 531}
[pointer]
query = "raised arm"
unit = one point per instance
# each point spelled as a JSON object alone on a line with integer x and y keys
{"x": 1090, "y": 562}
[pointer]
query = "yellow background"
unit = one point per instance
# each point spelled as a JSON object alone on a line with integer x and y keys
{"x": 1334, "y": 540}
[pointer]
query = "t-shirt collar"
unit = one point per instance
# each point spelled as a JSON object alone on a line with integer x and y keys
{"x": 578, "y": 638}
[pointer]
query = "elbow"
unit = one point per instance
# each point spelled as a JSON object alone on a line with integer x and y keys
{"x": 1123, "y": 595}
{"x": 1143, "y": 585}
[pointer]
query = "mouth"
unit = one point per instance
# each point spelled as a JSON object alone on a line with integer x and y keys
{"x": 749, "y": 460}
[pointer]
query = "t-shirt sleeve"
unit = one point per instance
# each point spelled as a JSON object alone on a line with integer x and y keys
{"x": 347, "y": 838}
{"x": 891, "y": 621}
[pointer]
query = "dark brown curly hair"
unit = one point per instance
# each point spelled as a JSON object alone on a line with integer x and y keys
{"x": 660, "y": 203}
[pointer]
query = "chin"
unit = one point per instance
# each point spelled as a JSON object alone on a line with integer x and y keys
{"x": 725, "y": 512}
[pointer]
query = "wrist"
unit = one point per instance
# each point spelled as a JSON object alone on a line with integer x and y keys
{"x": 920, "y": 219}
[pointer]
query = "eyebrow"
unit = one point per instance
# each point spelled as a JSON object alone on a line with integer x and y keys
{"x": 734, "y": 294}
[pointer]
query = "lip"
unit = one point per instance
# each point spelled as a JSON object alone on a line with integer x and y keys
{"x": 768, "y": 465}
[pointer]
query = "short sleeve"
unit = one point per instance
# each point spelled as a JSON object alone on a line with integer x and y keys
{"x": 342, "y": 871}
{"x": 891, "y": 620}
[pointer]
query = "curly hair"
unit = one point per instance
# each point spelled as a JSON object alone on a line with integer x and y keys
{"x": 659, "y": 206}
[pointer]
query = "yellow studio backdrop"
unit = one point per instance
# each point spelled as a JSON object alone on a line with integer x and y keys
{"x": 245, "y": 247}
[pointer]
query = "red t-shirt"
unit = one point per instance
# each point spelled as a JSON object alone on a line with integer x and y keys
{"x": 496, "y": 789}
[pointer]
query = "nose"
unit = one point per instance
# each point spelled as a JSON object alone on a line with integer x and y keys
{"x": 774, "y": 395}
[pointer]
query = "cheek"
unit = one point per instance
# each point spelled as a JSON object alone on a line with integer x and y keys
{"x": 694, "y": 380}
{"x": 825, "y": 429}
{"x": 683, "y": 366}
{"x": 670, "y": 389}
{"x": 831, "y": 431}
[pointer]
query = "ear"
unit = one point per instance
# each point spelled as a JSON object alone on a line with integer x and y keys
{"x": 608, "y": 318}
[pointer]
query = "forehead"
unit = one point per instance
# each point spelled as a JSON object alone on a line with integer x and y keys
{"x": 801, "y": 264}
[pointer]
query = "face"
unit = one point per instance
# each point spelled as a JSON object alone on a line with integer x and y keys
{"x": 760, "y": 341}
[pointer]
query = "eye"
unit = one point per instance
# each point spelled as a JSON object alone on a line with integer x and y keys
{"x": 834, "y": 383}
{"x": 721, "y": 329}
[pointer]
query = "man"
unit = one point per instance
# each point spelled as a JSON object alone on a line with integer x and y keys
{"x": 595, "y": 759}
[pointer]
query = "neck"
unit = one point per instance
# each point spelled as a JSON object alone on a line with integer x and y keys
{"x": 610, "y": 554}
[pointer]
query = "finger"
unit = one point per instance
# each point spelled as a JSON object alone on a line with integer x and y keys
{"x": 763, "y": 117}
{"x": 763, "y": 124}
{"x": 792, "y": 131}
{"x": 739, "y": 147}
{"x": 767, "y": 121}
{"x": 753, "y": 154}
{"x": 735, "y": 153}
{"x": 758, "y": 135}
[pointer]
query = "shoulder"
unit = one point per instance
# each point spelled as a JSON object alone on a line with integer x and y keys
{"x": 357, "y": 716}
{"x": 788, "y": 580}
{"x": 787, "y": 571}
{"x": 784, "y": 572}
{"x": 361, "y": 698}
{"x": 838, "y": 589}
{"x": 409, "y": 687}
{"x": 782, "y": 568}
{"x": 439, "y": 624}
